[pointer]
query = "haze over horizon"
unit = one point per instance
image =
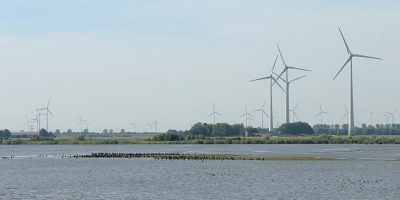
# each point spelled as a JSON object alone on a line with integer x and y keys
{"x": 115, "y": 63}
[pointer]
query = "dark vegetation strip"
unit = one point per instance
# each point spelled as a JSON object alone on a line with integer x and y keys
{"x": 166, "y": 139}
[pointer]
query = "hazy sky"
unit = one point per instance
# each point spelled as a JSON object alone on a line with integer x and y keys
{"x": 117, "y": 62}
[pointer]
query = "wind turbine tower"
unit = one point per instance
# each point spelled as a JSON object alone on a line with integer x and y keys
{"x": 286, "y": 69}
{"x": 350, "y": 59}
{"x": 270, "y": 77}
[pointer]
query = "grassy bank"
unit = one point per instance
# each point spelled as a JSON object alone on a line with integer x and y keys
{"x": 322, "y": 139}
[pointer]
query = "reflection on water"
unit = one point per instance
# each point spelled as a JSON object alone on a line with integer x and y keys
{"x": 28, "y": 176}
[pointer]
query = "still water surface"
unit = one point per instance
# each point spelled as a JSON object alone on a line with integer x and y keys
{"x": 28, "y": 176}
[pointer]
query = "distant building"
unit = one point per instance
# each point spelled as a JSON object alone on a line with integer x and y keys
{"x": 28, "y": 134}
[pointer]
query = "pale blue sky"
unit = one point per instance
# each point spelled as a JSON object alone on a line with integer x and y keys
{"x": 118, "y": 62}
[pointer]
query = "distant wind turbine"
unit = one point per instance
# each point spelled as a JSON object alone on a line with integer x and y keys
{"x": 262, "y": 115}
{"x": 87, "y": 126}
{"x": 151, "y": 126}
{"x": 392, "y": 114}
{"x": 321, "y": 113}
{"x": 286, "y": 69}
{"x": 346, "y": 114}
{"x": 246, "y": 114}
{"x": 48, "y": 111}
{"x": 387, "y": 118}
{"x": 213, "y": 113}
{"x": 294, "y": 112}
{"x": 134, "y": 126}
{"x": 270, "y": 77}
{"x": 38, "y": 115}
{"x": 80, "y": 122}
{"x": 350, "y": 59}
{"x": 29, "y": 121}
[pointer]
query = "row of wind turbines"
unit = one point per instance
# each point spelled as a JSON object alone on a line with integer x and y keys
{"x": 286, "y": 69}
{"x": 37, "y": 118}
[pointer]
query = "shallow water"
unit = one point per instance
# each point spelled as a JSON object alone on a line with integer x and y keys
{"x": 28, "y": 176}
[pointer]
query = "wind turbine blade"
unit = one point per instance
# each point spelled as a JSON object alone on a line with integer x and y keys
{"x": 294, "y": 114}
{"x": 265, "y": 113}
{"x": 280, "y": 75}
{"x": 393, "y": 112}
{"x": 242, "y": 115}
{"x": 274, "y": 63}
{"x": 346, "y": 109}
{"x": 326, "y": 113}
{"x": 344, "y": 115}
{"x": 343, "y": 66}
{"x": 264, "y": 104}
{"x": 320, "y": 107}
{"x": 297, "y": 78}
{"x": 384, "y": 115}
{"x": 250, "y": 114}
{"x": 79, "y": 117}
{"x": 213, "y": 107}
{"x": 279, "y": 85}
{"x": 251, "y": 119}
{"x": 217, "y": 113}
{"x": 283, "y": 61}
{"x": 48, "y": 103}
{"x": 345, "y": 43}
{"x": 210, "y": 114}
{"x": 260, "y": 79}
{"x": 50, "y": 112}
{"x": 318, "y": 114}
{"x": 356, "y": 55}
{"x": 295, "y": 106}
{"x": 289, "y": 67}
{"x": 257, "y": 110}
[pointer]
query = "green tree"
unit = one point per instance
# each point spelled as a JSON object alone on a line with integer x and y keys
{"x": 58, "y": 131}
{"x": 6, "y": 133}
{"x": 297, "y": 128}
{"x": 105, "y": 131}
{"x": 43, "y": 133}
{"x": 222, "y": 129}
{"x": 69, "y": 131}
{"x": 122, "y": 131}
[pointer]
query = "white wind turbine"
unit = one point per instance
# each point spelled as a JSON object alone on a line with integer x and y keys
{"x": 213, "y": 113}
{"x": 270, "y": 77}
{"x": 80, "y": 122}
{"x": 134, "y": 126}
{"x": 246, "y": 114}
{"x": 392, "y": 114}
{"x": 346, "y": 114}
{"x": 38, "y": 116}
{"x": 387, "y": 118}
{"x": 286, "y": 69}
{"x": 29, "y": 121}
{"x": 350, "y": 59}
{"x": 294, "y": 112}
{"x": 87, "y": 126}
{"x": 151, "y": 126}
{"x": 48, "y": 111}
{"x": 321, "y": 113}
{"x": 262, "y": 115}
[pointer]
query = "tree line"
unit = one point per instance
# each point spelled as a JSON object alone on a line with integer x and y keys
{"x": 379, "y": 129}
